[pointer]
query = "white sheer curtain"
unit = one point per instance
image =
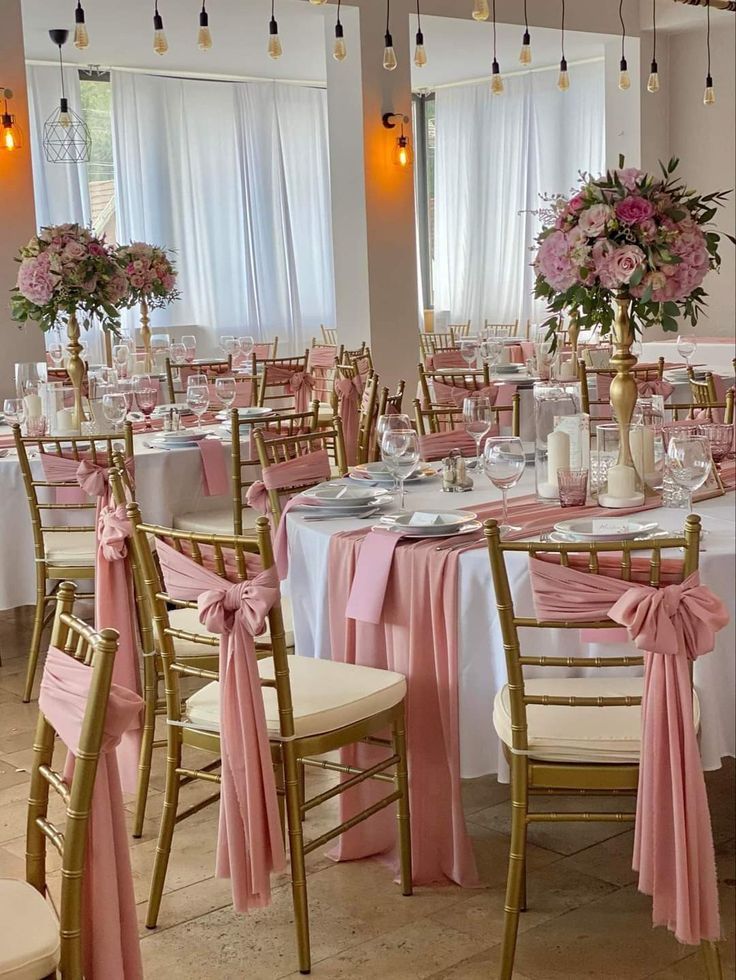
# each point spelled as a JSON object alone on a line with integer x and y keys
{"x": 494, "y": 156}
{"x": 235, "y": 178}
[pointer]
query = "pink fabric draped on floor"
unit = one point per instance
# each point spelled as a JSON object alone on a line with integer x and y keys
{"x": 249, "y": 844}
{"x": 349, "y": 391}
{"x": 114, "y": 599}
{"x": 674, "y": 625}
{"x": 110, "y": 944}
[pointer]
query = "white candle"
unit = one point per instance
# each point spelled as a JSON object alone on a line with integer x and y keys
{"x": 558, "y": 455}
{"x": 621, "y": 482}
{"x": 641, "y": 441}
{"x": 32, "y": 405}
{"x": 65, "y": 421}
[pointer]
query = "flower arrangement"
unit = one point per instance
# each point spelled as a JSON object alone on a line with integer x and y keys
{"x": 628, "y": 231}
{"x": 64, "y": 270}
{"x": 151, "y": 275}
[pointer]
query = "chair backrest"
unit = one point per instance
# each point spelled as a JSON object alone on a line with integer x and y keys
{"x": 329, "y": 335}
{"x": 345, "y": 355}
{"x": 367, "y": 410}
{"x": 459, "y": 329}
{"x": 321, "y": 366}
{"x": 618, "y": 559}
{"x": 41, "y": 490}
{"x": 232, "y": 557}
{"x": 703, "y": 393}
{"x": 96, "y": 650}
{"x": 282, "y": 426}
{"x": 178, "y": 374}
{"x": 445, "y": 418}
{"x": 469, "y": 380}
{"x": 272, "y": 372}
{"x": 392, "y": 404}
{"x": 502, "y": 329}
{"x": 273, "y": 451}
{"x": 599, "y": 408}
{"x": 363, "y": 363}
{"x": 430, "y": 343}
{"x": 684, "y": 410}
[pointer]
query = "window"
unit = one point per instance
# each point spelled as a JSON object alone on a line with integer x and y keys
{"x": 97, "y": 112}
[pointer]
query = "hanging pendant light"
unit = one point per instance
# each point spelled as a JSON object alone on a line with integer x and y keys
{"x": 275, "y": 49}
{"x": 11, "y": 136}
{"x": 563, "y": 79}
{"x": 204, "y": 37}
{"x": 624, "y": 81}
{"x": 81, "y": 37}
{"x": 480, "y": 10}
{"x": 339, "y": 51}
{"x": 318, "y": 3}
{"x": 66, "y": 138}
{"x": 496, "y": 77}
{"x": 420, "y": 55}
{"x": 709, "y": 96}
{"x": 390, "y": 61}
{"x": 525, "y": 55}
{"x": 160, "y": 44}
{"x": 653, "y": 81}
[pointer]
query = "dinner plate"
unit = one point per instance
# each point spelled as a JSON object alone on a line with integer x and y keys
{"x": 377, "y": 472}
{"x": 177, "y": 407}
{"x": 452, "y": 522}
{"x": 252, "y": 412}
{"x": 508, "y": 368}
{"x": 423, "y": 532}
{"x": 339, "y": 496}
{"x": 359, "y": 510}
{"x": 605, "y": 529}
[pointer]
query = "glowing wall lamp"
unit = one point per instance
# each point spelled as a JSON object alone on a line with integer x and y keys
{"x": 403, "y": 155}
{"x": 11, "y": 137}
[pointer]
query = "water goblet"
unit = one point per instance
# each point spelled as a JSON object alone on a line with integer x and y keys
{"x": 14, "y": 411}
{"x": 478, "y": 418}
{"x": 225, "y": 390}
{"x": 686, "y": 347}
{"x": 400, "y": 455}
{"x": 146, "y": 397}
{"x": 505, "y": 461}
{"x": 720, "y": 436}
{"x": 190, "y": 347}
{"x": 689, "y": 463}
{"x": 178, "y": 353}
{"x": 120, "y": 356}
{"x": 198, "y": 399}
{"x": 247, "y": 345}
{"x": 55, "y": 350}
{"x": 469, "y": 350}
{"x": 115, "y": 408}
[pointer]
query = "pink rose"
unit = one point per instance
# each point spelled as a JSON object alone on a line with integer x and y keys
{"x": 629, "y": 177}
{"x": 577, "y": 203}
{"x": 36, "y": 280}
{"x": 117, "y": 288}
{"x": 593, "y": 220}
{"x": 620, "y": 265}
{"x": 648, "y": 229}
{"x": 74, "y": 251}
{"x": 633, "y": 210}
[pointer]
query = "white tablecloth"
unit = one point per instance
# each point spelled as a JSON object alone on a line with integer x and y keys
{"x": 480, "y": 649}
{"x": 717, "y": 357}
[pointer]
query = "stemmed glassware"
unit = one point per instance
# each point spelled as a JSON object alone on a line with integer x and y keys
{"x": 469, "y": 350}
{"x": 198, "y": 396}
{"x": 115, "y": 408}
{"x": 385, "y": 423}
{"x": 491, "y": 349}
{"x": 247, "y": 345}
{"x": 55, "y": 349}
{"x": 720, "y": 436}
{"x": 178, "y": 353}
{"x": 190, "y": 347}
{"x": 14, "y": 411}
{"x": 120, "y": 356}
{"x": 478, "y": 418}
{"x": 689, "y": 463}
{"x": 400, "y": 454}
{"x": 225, "y": 390}
{"x": 505, "y": 461}
{"x": 146, "y": 397}
{"x": 686, "y": 347}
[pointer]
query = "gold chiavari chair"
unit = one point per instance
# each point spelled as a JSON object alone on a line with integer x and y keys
{"x": 235, "y": 517}
{"x": 444, "y": 418}
{"x": 329, "y": 335}
{"x": 430, "y": 343}
{"x": 680, "y": 412}
{"x": 312, "y": 707}
{"x": 265, "y": 350}
{"x": 557, "y": 732}
{"x": 459, "y": 329}
{"x": 272, "y": 391}
{"x": 33, "y": 942}
{"x": 177, "y": 374}
{"x": 363, "y": 364}
{"x": 344, "y": 355}
{"x": 702, "y": 393}
{"x": 321, "y": 366}
{"x": 502, "y": 329}
{"x": 602, "y": 405}
{"x": 62, "y": 550}
{"x": 469, "y": 380}
{"x": 273, "y": 451}
{"x": 389, "y": 404}
{"x": 367, "y": 413}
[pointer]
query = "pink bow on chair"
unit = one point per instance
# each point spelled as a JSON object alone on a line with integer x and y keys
{"x": 349, "y": 391}
{"x": 673, "y": 846}
{"x": 655, "y": 386}
{"x": 249, "y": 845}
{"x": 301, "y": 386}
{"x": 498, "y": 394}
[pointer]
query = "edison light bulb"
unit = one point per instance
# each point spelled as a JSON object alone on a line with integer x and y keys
{"x": 624, "y": 82}
{"x": 420, "y": 55}
{"x": 160, "y": 44}
{"x": 525, "y": 55}
{"x": 653, "y": 81}
{"x": 403, "y": 157}
{"x": 318, "y": 3}
{"x": 563, "y": 79}
{"x": 709, "y": 97}
{"x": 339, "y": 51}
{"x": 81, "y": 37}
{"x": 9, "y": 139}
{"x": 204, "y": 37}
{"x": 65, "y": 120}
{"x": 274, "y": 41}
{"x": 496, "y": 79}
{"x": 389, "y": 55}
{"x": 481, "y": 10}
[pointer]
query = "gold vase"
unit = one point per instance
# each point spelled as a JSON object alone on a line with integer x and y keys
{"x": 146, "y": 335}
{"x": 75, "y": 367}
{"x": 573, "y": 333}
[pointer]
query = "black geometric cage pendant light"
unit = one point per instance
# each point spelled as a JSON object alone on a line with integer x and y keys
{"x": 66, "y": 138}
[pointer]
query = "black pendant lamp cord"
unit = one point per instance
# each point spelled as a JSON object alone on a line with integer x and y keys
{"x": 707, "y": 34}
{"x": 623, "y": 28}
{"x": 61, "y": 72}
{"x": 419, "y": 18}
{"x": 562, "y": 31}
{"x": 388, "y": 16}
{"x": 526, "y": 19}
{"x": 654, "y": 30}
{"x": 338, "y": 10}
{"x": 494, "y": 30}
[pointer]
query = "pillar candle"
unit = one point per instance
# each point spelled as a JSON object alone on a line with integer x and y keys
{"x": 32, "y": 405}
{"x": 65, "y": 421}
{"x": 641, "y": 440}
{"x": 621, "y": 482}
{"x": 558, "y": 455}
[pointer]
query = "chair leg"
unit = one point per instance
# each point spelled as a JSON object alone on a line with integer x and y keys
{"x": 150, "y": 694}
{"x": 165, "y": 834}
{"x": 296, "y": 852}
{"x": 301, "y": 769}
{"x": 402, "y": 811}
{"x": 38, "y": 618}
{"x": 517, "y": 863}
{"x": 711, "y": 954}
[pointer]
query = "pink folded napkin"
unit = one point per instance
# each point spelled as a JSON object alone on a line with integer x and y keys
{"x": 368, "y": 590}
{"x": 215, "y": 476}
{"x": 7, "y": 442}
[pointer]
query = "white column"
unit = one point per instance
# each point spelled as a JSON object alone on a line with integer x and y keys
{"x": 373, "y": 216}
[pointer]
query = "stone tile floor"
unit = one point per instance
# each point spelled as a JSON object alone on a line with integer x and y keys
{"x": 585, "y": 916}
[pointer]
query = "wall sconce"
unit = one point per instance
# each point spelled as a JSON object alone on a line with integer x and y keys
{"x": 11, "y": 136}
{"x": 403, "y": 155}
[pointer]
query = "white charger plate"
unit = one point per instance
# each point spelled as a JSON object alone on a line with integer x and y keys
{"x": 623, "y": 529}
{"x": 377, "y": 472}
{"x": 252, "y": 412}
{"x": 429, "y": 532}
{"x": 460, "y": 519}
{"x": 326, "y": 495}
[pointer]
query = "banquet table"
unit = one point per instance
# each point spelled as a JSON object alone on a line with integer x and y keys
{"x": 481, "y": 665}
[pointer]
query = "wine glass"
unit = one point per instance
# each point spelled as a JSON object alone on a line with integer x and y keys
{"x": 126, "y": 387}
{"x": 190, "y": 347}
{"x": 247, "y": 345}
{"x": 120, "y": 356}
{"x": 14, "y": 411}
{"x": 55, "y": 349}
{"x": 146, "y": 397}
{"x": 504, "y": 465}
{"x": 400, "y": 454}
{"x": 720, "y": 439}
{"x": 115, "y": 408}
{"x": 225, "y": 390}
{"x": 478, "y": 417}
{"x": 689, "y": 463}
{"x": 386, "y": 422}
{"x": 228, "y": 344}
{"x": 178, "y": 353}
{"x": 491, "y": 350}
{"x": 198, "y": 399}
{"x": 686, "y": 347}
{"x": 469, "y": 350}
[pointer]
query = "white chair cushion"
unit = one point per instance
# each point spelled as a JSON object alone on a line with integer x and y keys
{"x": 565, "y": 734}
{"x": 326, "y": 696}
{"x": 74, "y": 548}
{"x": 188, "y": 620}
{"x": 29, "y": 933}
{"x": 214, "y": 521}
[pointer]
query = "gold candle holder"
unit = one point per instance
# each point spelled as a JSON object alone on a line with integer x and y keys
{"x": 573, "y": 333}
{"x": 146, "y": 334}
{"x": 624, "y": 484}
{"x": 75, "y": 367}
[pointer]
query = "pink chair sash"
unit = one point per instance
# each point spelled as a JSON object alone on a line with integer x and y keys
{"x": 516, "y": 353}
{"x": 437, "y": 445}
{"x": 349, "y": 392}
{"x": 297, "y": 383}
{"x": 109, "y": 926}
{"x": 243, "y": 393}
{"x": 528, "y": 349}
{"x": 673, "y": 846}
{"x": 249, "y": 845}
{"x": 210, "y": 370}
{"x": 322, "y": 357}
{"x": 499, "y": 394}
{"x": 215, "y": 476}
{"x": 655, "y": 386}
{"x": 446, "y": 359}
